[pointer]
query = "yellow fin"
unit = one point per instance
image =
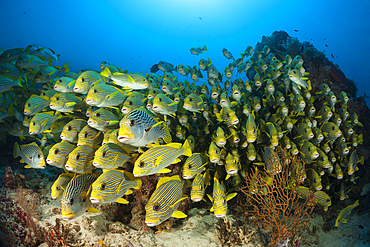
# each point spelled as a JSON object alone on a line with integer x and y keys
{"x": 181, "y": 199}
{"x": 178, "y": 214}
{"x": 164, "y": 170}
{"x": 92, "y": 210}
{"x": 70, "y": 104}
{"x": 231, "y": 196}
{"x": 27, "y": 166}
{"x": 122, "y": 201}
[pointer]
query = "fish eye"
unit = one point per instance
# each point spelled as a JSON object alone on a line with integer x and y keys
{"x": 309, "y": 149}
{"x": 59, "y": 80}
{"x": 156, "y": 207}
{"x": 305, "y": 130}
{"x": 69, "y": 128}
{"x": 77, "y": 156}
{"x": 332, "y": 128}
{"x": 56, "y": 151}
{"x": 227, "y": 115}
{"x": 141, "y": 164}
{"x": 95, "y": 91}
{"x": 57, "y": 98}
{"x": 85, "y": 134}
{"x": 160, "y": 100}
{"x": 189, "y": 166}
{"x": 97, "y": 114}
{"x": 83, "y": 79}
{"x": 29, "y": 105}
{"x": 327, "y": 200}
{"x": 102, "y": 187}
{"x": 57, "y": 188}
{"x": 32, "y": 123}
{"x": 132, "y": 122}
{"x": 130, "y": 103}
{"x": 104, "y": 153}
{"x": 71, "y": 201}
{"x": 39, "y": 156}
{"x": 190, "y": 99}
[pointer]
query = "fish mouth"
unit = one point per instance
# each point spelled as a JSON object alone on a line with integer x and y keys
{"x": 91, "y": 123}
{"x": 53, "y": 197}
{"x": 196, "y": 199}
{"x": 319, "y": 188}
{"x": 164, "y": 88}
{"x": 214, "y": 95}
{"x": 49, "y": 161}
{"x": 124, "y": 110}
{"x": 26, "y": 112}
{"x": 257, "y": 107}
{"x": 221, "y": 143}
{"x": 339, "y": 134}
{"x": 96, "y": 164}
{"x": 155, "y": 107}
{"x": 68, "y": 216}
{"x": 310, "y": 136}
{"x": 180, "y": 136}
{"x": 220, "y": 215}
{"x": 151, "y": 224}
{"x": 187, "y": 177}
{"x": 76, "y": 89}
{"x": 345, "y": 151}
{"x": 302, "y": 104}
{"x": 236, "y": 140}
{"x": 52, "y": 106}
{"x": 31, "y": 132}
{"x": 232, "y": 171}
{"x": 62, "y": 137}
{"x": 42, "y": 167}
{"x": 215, "y": 160}
{"x": 69, "y": 168}
{"x": 123, "y": 139}
{"x": 315, "y": 155}
{"x": 94, "y": 200}
{"x": 89, "y": 101}
{"x": 252, "y": 158}
{"x": 236, "y": 121}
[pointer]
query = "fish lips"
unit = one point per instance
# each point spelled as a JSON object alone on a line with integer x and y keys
{"x": 94, "y": 200}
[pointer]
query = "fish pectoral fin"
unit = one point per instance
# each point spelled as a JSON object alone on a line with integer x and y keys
{"x": 128, "y": 192}
{"x": 27, "y": 166}
{"x": 158, "y": 161}
{"x": 164, "y": 170}
{"x": 231, "y": 196}
{"x": 110, "y": 123}
{"x": 177, "y": 160}
{"x": 210, "y": 197}
{"x": 212, "y": 209}
{"x": 92, "y": 210}
{"x": 344, "y": 220}
{"x": 70, "y": 104}
{"x": 122, "y": 201}
{"x": 178, "y": 214}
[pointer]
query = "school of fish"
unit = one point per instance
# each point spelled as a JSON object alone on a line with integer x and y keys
{"x": 92, "y": 124}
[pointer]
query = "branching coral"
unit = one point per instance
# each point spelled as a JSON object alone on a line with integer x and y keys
{"x": 273, "y": 200}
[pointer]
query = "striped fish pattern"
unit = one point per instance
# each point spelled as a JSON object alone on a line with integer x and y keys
{"x": 193, "y": 103}
{"x": 251, "y": 129}
{"x": 59, "y": 153}
{"x": 199, "y": 185}
{"x": 65, "y": 102}
{"x": 140, "y": 127}
{"x": 35, "y": 104}
{"x": 165, "y": 200}
{"x": 6, "y": 83}
{"x": 228, "y": 116}
{"x": 193, "y": 166}
{"x": 102, "y": 95}
{"x": 86, "y": 80}
{"x": 102, "y": 120}
{"x": 80, "y": 159}
{"x": 89, "y": 136}
{"x": 60, "y": 185}
{"x": 164, "y": 105}
{"x": 31, "y": 154}
{"x": 323, "y": 199}
{"x": 308, "y": 151}
{"x": 131, "y": 103}
{"x": 76, "y": 197}
{"x": 219, "y": 199}
{"x": 112, "y": 185}
{"x": 10, "y": 70}
{"x": 42, "y": 121}
{"x": 110, "y": 156}
{"x": 272, "y": 161}
{"x": 71, "y": 129}
{"x": 156, "y": 159}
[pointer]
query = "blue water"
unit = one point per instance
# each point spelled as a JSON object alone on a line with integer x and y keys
{"x": 138, "y": 34}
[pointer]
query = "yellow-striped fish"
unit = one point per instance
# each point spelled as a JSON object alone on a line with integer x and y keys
{"x": 60, "y": 185}
{"x": 164, "y": 201}
{"x": 31, "y": 154}
{"x": 314, "y": 178}
{"x": 199, "y": 185}
{"x": 42, "y": 121}
{"x": 156, "y": 159}
{"x": 71, "y": 129}
{"x": 251, "y": 129}
{"x": 103, "y": 120}
{"x": 193, "y": 103}
{"x": 231, "y": 166}
{"x": 7, "y": 83}
{"x": 343, "y": 215}
{"x": 80, "y": 159}
{"x": 193, "y": 165}
{"x": 214, "y": 153}
{"x": 228, "y": 116}
{"x": 47, "y": 73}
{"x": 112, "y": 185}
{"x": 323, "y": 199}
{"x": 64, "y": 84}
{"x": 219, "y": 198}
{"x": 65, "y": 102}
{"x": 219, "y": 137}
{"x": 131, "y": 103}
{"x": 251, "y": 152}
{"x": 86, "y": 80}
{"x": 59, "y": 153}
{"x": 164, "y": 105}
{"x": 110, "y": 156}
{"x": 132, "y": 81}
{"x": 35, "y": 104}
{"x": 103, "y": 95}
{"x": 89, "y": 136}
{"x": 76, "y": 197}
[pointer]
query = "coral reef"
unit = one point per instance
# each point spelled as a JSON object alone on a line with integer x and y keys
{"x": 273, "y": 200}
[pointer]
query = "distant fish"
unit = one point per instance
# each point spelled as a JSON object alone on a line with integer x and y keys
{"x": 200, "y": 18}
{"x": 154, "y": 68}
{"x": 198, "y": 50}
{"x": 332, "y": 55}
{"x": 326, "y": 45}
{"x": 295, "y": 30}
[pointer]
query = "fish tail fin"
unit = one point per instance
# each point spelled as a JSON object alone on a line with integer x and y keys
{"x": 186, "y": 148}
{"x": 106, "y": 72}
{"x": 205, "y": 48}
{"x": 57, "y": 58}
{"x": 15, "y": 150}
{"x": 65, "y": 67}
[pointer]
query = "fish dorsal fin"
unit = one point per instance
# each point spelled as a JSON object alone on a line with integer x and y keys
{"x": 174, "y": 145}
{"x": 166, "y": 179}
